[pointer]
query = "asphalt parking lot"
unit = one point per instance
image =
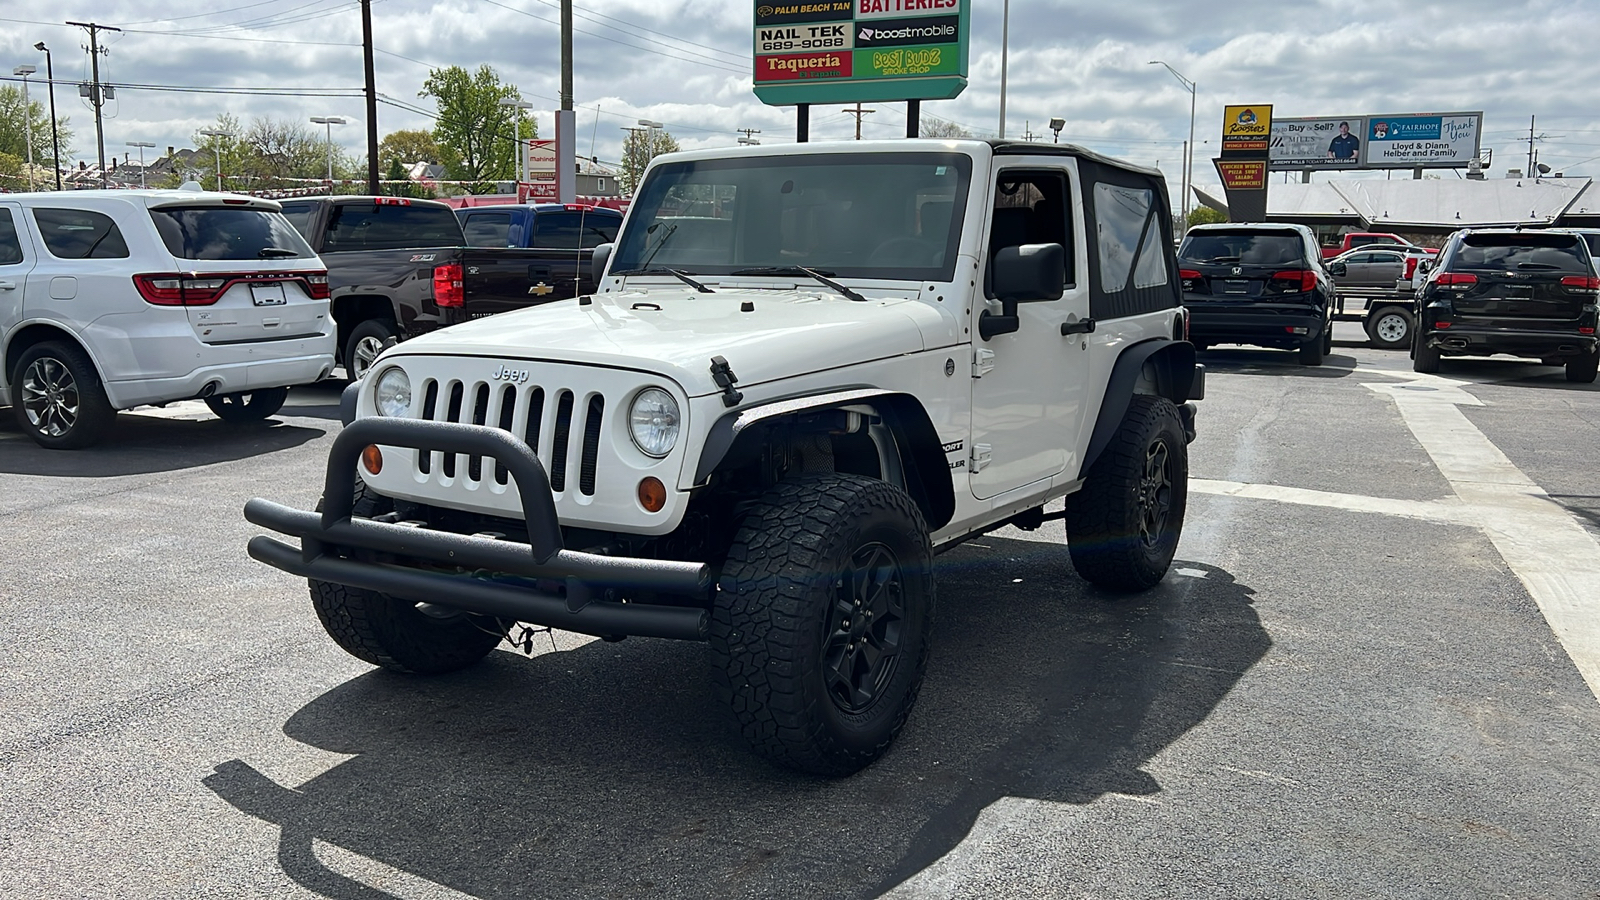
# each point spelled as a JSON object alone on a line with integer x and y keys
{"x": 1365, "y": 676}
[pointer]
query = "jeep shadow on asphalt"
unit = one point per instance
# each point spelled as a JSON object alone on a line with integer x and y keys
{"x": 606, "y": 770}
{"x": 1240, "y": 360}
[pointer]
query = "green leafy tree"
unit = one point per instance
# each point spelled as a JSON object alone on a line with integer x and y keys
{"x": 1205, "y": 215}
{"x": 641, "y": 146}
{"x": 407, "y": 146}
{"x": 284, "y": 153}
{"x": 229, "y": 146}
{"x": 14, "y": 124}
{"x": 475, "y": 131}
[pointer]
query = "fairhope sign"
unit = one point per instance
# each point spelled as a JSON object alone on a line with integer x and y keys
{"x": 1400, "y": 141}
{"x": 842, "y": 51}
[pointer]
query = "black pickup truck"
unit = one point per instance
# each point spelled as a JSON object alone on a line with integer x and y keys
{"x": 399, "y": 267}
{"x": 565, "y": 233}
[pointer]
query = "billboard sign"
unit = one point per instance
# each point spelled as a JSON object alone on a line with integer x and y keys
{"x": 1399, "y": 141}
{"x": 1246, "y": 128}
{"x": 1242, "y": 175}
{"x": 1333, "y": 143}
{"x": 844, "y": 51}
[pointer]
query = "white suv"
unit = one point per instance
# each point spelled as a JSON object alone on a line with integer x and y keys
{"x": 116, "y": 299}
{"x": 807, "y": 370}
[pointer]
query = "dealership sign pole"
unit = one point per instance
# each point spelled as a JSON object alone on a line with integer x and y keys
{"x": 867, "y": 51}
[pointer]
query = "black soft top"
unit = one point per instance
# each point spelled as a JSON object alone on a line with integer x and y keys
{"x": 1028, "y": 148}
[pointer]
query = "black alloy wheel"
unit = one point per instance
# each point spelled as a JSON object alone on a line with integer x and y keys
{"x": 861, "y": 642}
{"x": 1155, "y": 494}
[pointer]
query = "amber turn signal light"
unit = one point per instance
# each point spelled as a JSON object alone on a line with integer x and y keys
{"x": 652, "y": 494}
{"x": 372, "y": 458}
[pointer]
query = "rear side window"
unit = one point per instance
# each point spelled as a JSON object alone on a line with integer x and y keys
{"x": 1526, "y": 250}
{"x": 1246, "y": 247}
{"x": 80, "y": 234}
{"x": 488, "y": 230}
{"x": 300, "y": 215}
{"x": 1125, "y": 225}
{"x": 215, "y": 232}
{"x": 564, "y": 230}
{"x": 10, "y": 244}
{"x": 362, "y": 226}
{"x": 1593, "y": 243}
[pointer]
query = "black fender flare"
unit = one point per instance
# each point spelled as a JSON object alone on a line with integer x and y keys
{"x": 921, "y": 454}
{"x": 1178, "y": 378}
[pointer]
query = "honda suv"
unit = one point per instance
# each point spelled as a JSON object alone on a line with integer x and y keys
{"x": 1523, "y": 293}
{"x": 1257, "y": 284}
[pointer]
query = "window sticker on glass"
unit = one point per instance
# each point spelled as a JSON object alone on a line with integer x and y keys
{"x": 939, "y": 170}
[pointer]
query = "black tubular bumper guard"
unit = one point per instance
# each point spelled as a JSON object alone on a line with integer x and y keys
{"x": 328, "y": 538}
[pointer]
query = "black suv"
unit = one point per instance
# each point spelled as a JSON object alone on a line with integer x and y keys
{"x": 1524, "y": 293}
{"x": 1257, "y": 284}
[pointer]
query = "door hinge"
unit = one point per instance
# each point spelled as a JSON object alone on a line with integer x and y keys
{"x": 982, "y": 363}
{"x": 982, "y": 455}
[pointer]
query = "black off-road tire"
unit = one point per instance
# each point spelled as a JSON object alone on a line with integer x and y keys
{"x": 1123, "y": 526}
{"x": 1583, "y": 369}
{"x": 248, "y": 406}
{"x": 1424, "y": 359}
{"x": 365, "y": 341}
{"x": 793, "y": 655}
{"x": 1313, "y": 351}
{"x": 57, "y": 397}
{"x": 396, "y": 634}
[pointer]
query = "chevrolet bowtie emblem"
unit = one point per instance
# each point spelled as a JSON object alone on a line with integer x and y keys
{"x": 541, "y": 289}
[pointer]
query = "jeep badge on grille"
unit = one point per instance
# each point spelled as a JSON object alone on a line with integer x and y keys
{"x": 516, "y": 376}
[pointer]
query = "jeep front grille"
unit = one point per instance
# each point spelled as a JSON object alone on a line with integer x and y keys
{"x": 521, "y": 411}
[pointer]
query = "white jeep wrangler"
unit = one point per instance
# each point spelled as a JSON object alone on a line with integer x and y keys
{"x": 807, "y": 370}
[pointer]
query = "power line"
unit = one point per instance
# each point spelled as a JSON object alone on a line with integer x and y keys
{"x": 215, "y": 12}
{"x": 699, "y": 62}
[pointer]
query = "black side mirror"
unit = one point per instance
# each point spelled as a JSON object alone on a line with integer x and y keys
{"x": 1031, "y": 273}
{"x": 597, "y": 263}
{"x": 1337, "y": 269}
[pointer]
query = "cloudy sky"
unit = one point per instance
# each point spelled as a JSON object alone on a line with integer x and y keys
{"x": 686, "y": 63}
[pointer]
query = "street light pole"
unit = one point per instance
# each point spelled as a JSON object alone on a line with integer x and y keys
{"x": 216, "y": 144}
{"x": 328, "y": 122}
{"x": 1005, "y": 46}
{"x": 27, "y": 116}
{"x": 520, "y": 161}
{"x": 141, "y": 145}
{"x": 55, "y": 133}
{"x": 1188, "y": 163}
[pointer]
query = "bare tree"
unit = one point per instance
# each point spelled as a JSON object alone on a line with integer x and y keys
{"x": 941, "y": 128}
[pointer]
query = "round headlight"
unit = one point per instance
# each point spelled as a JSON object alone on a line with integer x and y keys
{"x": 653, "y": 422}
{"x": 392, "y": 396}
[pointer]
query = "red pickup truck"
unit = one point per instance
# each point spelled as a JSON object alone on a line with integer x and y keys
{"x": 1363, "y": 239}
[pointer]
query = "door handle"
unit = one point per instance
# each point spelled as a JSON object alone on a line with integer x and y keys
{"x": 8, "y": 285}
{"x": 1082, "y": 326}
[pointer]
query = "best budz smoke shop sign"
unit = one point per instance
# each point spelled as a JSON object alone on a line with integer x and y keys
{"x": 841, "y": 51}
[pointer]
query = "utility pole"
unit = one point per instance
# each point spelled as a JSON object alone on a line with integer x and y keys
{"x": 566, "y": 119}
{"x": 372, "y": 97}
{"x": 858, "y": 112}
{"x": 98, "y": 96}
{"x": 1027, "y": 131}
{"x": 747, "y": 132}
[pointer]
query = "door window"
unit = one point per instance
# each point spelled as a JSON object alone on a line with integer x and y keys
{"x": 1031, "y": 208}
{"x": 488, "y": 230}
{"x": 1123, "y": 215}
{"x": 10, "y": 243}
{"x": 80, "y": 234}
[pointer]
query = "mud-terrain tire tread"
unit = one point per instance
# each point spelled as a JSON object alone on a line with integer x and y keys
{"x": 764, "y": 633}
{"x": 391, "y": 633}
{"x": 1102, "y": 528}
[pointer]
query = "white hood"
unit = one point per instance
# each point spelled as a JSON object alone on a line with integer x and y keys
{"x": 787, "y": 333}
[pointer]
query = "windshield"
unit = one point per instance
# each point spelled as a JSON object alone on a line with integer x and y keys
{"x": 1563, "y": 252}
{"x": 213, "y": 232}
{"x": 1251, "y": 248}
{"x": 852, "y": 215}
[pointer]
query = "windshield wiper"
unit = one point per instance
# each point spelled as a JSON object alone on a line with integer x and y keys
{"x": 821, "y": 277}
{"x": 276, "y": 253}
{"x": 663, "y": 270}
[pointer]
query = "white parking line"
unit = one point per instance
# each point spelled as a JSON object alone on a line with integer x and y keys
{"x": 1556, "y": 559}
{"x": 1429, "y": 510}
